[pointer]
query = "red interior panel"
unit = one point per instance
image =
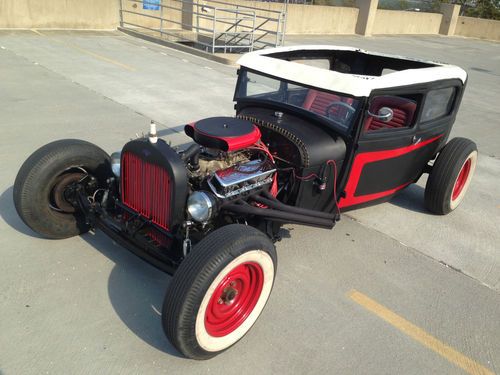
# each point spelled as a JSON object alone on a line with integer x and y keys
{"x": 404, "y": 111}
{"x": 318, "y": 101}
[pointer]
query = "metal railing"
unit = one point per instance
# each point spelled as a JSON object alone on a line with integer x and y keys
{"x": 212, "y": 25}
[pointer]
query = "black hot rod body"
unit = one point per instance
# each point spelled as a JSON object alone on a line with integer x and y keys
{"x": 317, "y": 131}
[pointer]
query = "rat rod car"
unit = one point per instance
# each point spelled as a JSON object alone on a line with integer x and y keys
{"x": 318, "y": 130}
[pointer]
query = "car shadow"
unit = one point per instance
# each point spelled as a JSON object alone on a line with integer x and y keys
{"x": 135, "y": 288}
{"x": 9, "y": 214}
{"x": 170, "y": 130}
{"x": 411, "y": 198}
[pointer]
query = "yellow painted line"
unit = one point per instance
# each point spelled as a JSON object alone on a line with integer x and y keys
{"x": 103, "y": 58}
{"x": 418, "y": 334}
{"x": 87, "y": 52}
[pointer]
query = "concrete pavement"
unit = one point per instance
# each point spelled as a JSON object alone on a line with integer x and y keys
{"x": 85, "y": 305}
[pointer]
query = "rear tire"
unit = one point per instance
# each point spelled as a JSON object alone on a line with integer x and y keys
{"x": 39, "y": 186}
{"x": 219, "y": 291}
{"x": 451, "y": 176}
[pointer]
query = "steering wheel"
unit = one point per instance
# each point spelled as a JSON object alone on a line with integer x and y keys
{"x": 340, "y": 116}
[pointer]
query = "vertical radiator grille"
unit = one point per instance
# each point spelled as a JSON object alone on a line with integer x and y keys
{"x": 146, "y": 189}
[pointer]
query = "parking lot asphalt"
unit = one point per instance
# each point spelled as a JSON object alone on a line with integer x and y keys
{"x": 391, "y": 290}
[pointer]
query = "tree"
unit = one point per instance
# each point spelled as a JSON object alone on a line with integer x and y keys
{"x": 485, "y": 9}
{"x": 479, "y": 8}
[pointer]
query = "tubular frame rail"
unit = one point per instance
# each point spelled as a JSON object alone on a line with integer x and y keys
{"x": 211, "y": 25}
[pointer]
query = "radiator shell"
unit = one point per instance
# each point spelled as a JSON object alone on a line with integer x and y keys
{"x": 154, "y": 182}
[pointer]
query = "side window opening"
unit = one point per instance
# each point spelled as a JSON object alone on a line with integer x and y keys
{"x": 438, "y": 103}
{"x": 403, "y": 109}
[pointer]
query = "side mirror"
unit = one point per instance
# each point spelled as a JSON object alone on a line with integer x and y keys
{"x": 385, "y": 114}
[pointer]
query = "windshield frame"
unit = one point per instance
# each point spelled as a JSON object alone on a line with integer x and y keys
{"x": 242, "y": 101}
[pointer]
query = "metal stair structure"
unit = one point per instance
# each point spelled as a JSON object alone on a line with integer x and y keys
{"x": 212, "y": 25}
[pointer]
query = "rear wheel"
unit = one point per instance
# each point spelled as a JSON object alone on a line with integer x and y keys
{"x": 219, "y": 291}
{"x": 40, "y": 188}
{"x": 451, "y": 176}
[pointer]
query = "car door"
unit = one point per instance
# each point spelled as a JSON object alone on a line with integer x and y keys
{"x": 390, "y": 154}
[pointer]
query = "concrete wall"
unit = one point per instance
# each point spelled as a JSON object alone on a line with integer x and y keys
{"x": 450, "y": 17}
{"x": 401, "y": 22}
{"x": 478, "y": 28}
{"x": 301, "y": 19}
{"x": 174, "y": 15}
{"x": 73, "y": 14}
{"x": 104, "y": 14}
{"x": 366, "y": 16}
{"x": 307, "y": 19}
{"x": 265, "y": 8}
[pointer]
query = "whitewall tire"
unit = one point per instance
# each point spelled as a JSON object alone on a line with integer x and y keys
{"x": 219, "y": 291}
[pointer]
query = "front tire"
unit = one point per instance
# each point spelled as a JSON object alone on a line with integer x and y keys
{"x": 451, "y": 176}
{"x": 39, "y": 189}
{"x": 219, "y": 291}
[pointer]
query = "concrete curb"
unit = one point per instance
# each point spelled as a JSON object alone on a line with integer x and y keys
{"x": 178, "y": 46}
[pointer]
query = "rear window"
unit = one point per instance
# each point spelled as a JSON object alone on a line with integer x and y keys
{"x": 438, "y": 103}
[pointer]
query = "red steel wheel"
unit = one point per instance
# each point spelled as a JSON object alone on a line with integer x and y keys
{"x": 462, "y": 178}
{"x": 228, "y": 311}
{"x": 451, "y": 176}
{"x": 219, "y": 291}
{"x": 234, "y": 299}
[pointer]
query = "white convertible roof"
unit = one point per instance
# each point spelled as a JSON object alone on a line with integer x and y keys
{"x": 353, "y": 84}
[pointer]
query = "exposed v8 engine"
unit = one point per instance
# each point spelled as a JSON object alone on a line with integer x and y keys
{"x": 232, "y": 160}
{"x": 242, "y": 177}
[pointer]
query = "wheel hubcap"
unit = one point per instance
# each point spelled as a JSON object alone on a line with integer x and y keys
{"x": 234, "y": 299}
{"x": 461, "y": 179}
{"x": 58, "y": 198}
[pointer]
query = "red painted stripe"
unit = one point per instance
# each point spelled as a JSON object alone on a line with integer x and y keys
{"x": 364, "y": 158}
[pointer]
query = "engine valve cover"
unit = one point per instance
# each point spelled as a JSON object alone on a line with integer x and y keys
{"x": 240, "y": 178}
